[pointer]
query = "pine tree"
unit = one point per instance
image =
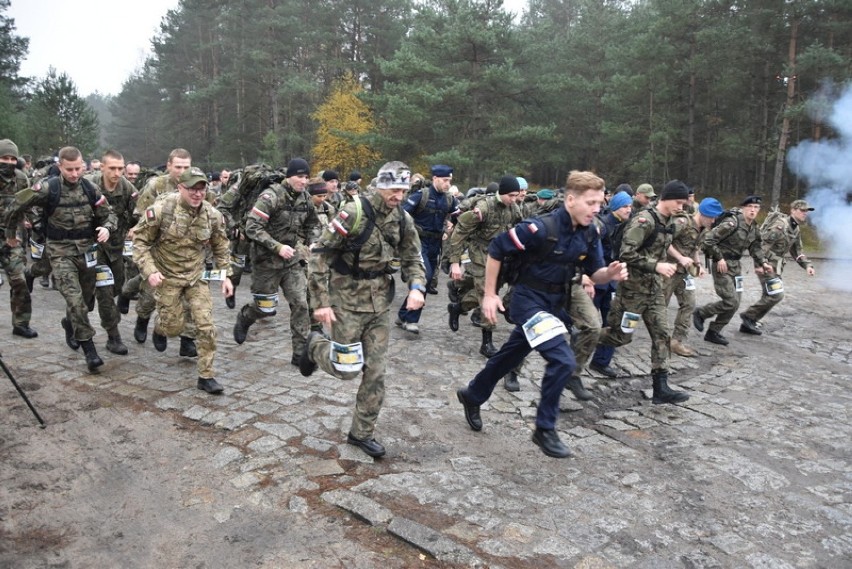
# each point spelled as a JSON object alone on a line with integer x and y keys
{"x": 57, "y": 116}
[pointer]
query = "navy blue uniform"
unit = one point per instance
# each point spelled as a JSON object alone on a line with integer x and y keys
{"x": 542, "y": 288}
{"x": 603, "y": 293}
{"x": 429, "y": 221}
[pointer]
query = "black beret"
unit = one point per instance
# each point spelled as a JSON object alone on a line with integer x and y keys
{"x": 752, "y": 199}
{"x": 329, "y": 175}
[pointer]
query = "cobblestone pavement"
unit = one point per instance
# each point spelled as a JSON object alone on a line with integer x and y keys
{"x": 752, "y": 471}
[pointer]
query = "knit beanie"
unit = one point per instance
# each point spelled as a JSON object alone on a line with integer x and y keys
{"x": 297, "y": 167}
{"x": 329, "y": 175}
{"x": 8, "y": 148}
{"x": 508, "y": 185}
{"x": 674, "y": 190}
{"x": 620, "y": 200}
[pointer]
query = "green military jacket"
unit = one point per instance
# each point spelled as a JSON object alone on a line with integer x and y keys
{"x": 730, "y": 238}
{"x": 122, "y": 200}
{"x": 154, "y": 188}
{"x": 780, "y": 236}
{"x": 171, "y": 237}
{"x": 390, "y": 240}
{"x": 281, "y": 216}
{"x": 641, "y": 252}
{"x": 476, "y": 227}
{"x": 71, "y": 229}
{"x": 325, "y": 213}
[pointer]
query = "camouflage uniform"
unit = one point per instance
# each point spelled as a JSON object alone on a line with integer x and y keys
{"x": 361, "y": 305}
{"x": 642, "y": 293}
{"x": 779, "y": 237}
{"x": 13, "y": 260}
{"x": 727, "y": 241}
{"x": 70, "y": 232}
{"x": 111, "y": 253}
{"x": 686, "y": 240}
{"x": 473, "y": 231}
{"x": 281, "y": 216}
{"x": 171, "y": 238}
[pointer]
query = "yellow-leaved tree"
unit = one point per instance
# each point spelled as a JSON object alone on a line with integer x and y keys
{"x": 342, "y": 118}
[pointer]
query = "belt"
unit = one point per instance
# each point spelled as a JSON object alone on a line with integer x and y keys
{"x": 541, "y": 285}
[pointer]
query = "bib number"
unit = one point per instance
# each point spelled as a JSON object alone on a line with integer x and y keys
{"x": 689, "y": 282}
{"x": 774, "y": 286}
{"x": 128, "y": 249}
{"x": 629, "y": 322}
{"x": 91, "y": 256}
{"x": 266, "y": 303}
{"x": 738, "y": 283}
{"x": 214, "y": 275}
{"x": 541, "y": 327}
{"x": 36, "y": 249}
{"x": 346, "y": 357}
{"x": 103, "y": 276}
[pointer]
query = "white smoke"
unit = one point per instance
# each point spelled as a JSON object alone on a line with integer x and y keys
{"x": 826, "y": 165}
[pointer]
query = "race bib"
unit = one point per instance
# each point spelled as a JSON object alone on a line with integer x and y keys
{"x": 91, "y": 256}
{"x": 541, "y": 327}
{"x": 465, "y": 258}
{"x": 266, "y": 303}
{"x": 214, "y": 275}
{"x": 36, "y": 249}
{"x": 738, "y": 283}
{"x": 128, "y": 249}
{"x": 238, "y": 261}
{"x": 346, "y": 357}
{"x": 103, "y": 276}
{"x": 774, "y": 286}
{"x": 629, "y": 322}
{"x": 689, "y": 282}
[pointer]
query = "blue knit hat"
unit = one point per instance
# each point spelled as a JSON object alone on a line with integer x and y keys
{"x": 710, "y": 207}
{"x": 522, "y": 183}
{"x": 620, "y": 200}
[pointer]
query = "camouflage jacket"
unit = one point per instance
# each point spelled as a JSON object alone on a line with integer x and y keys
{"x": 172, "y": 236}
{"x": 730, "y": 238}
{"x": 122, "y": 200}
{"x": 686, "y": 237}
{"x": 390, "y": 240}
{"x": 780, "y": 236}
{"x": 325, "y": 213}
{"x": 475, "y": 228}
{"x": 281, "y": 216}
{"x": 642, "y": 258}
{"x": 154, "y": 188}
{"x": 71, "y": 228}
{"x": 8, "y": 189}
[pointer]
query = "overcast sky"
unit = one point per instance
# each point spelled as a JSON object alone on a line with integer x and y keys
{"x": 108, "y": 39}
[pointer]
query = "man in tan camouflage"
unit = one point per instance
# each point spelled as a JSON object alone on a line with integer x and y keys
{"x": 352, "y": 287}
{"x": 780, "y": 235}
{"x": 77, "y": 217}
{"x": 13, "y": 259}
{"x": 169, "y": 248}
{"x": 282, "y": 226}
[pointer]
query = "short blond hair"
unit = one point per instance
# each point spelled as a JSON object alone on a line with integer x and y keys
{"x": 579, "y": 182}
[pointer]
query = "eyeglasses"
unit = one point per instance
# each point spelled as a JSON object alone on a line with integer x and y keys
{"x": 194, "y": 190}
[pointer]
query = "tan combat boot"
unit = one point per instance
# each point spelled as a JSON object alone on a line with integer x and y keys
{"x": 682, "y": 349}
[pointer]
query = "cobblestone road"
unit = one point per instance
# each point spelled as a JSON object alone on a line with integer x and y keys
{"x": 752, "y": 471}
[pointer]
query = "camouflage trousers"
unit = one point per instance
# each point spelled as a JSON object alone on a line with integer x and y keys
{"x": 676, "y": 286}
{"x": 12, "y": 261}
{"x": 372, "y": 329}
{"x": 729, "y": 299}
{"x": 76, "y": 284}
{"x": 145, "y": 303}
{"x": 293, "y": 281}
{"x": 175, "y": 305}
{"x": 470, "y": 289}
{"x": 767, "y": 301}
{"x": 587, "y": 320}
{"x": 240, "y": 249}
{"x": 105, "y": 295}
{"x": 650, "y": 305}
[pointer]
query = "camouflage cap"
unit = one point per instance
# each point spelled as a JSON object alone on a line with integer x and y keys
{"x": 646, "y": 190}
{"x": 393, "y": 175}
{"x": 802, "y": 205}
{"x": 192, "y": 176}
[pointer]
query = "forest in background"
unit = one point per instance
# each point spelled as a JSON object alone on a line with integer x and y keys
{"x": 712, "y": 92}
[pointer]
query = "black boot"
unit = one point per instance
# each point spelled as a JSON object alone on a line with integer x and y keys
{"x": 715, "y": 338}
{"x": 160, "y": 341}
{"x": 44, "y": 281}
{"x": 29, "y": 278}
{"x": 476, "y": 318}
{"x": 140, "y": 332}
{"x": 69, "y": 335}
{"x": 549, "y": 442}
{"x": 750, "y": 326}
{"x": 93, "y": 360}
{"x": 241, "y": 328}
{"x": 454, "y": 308}
{"x": 114, "y": 343}
{"x": 662, "y": 392}
{"x": 231, "y": 301}
{"x": 487, "y": 348}
{"x": 510, "y": 381}
{"x": 575, "y": 384}
{"x": 187, "y": 347}
{"x": 452, "y": 292}
{"x": 123, "y": 304}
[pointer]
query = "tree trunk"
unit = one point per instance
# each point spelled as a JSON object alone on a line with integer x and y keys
{"x": 785, "y": 127}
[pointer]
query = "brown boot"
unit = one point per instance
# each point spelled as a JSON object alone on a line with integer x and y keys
{"x": 682, "y": 349}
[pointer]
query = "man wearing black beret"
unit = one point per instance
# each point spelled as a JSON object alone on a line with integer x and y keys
{"x": 735, "y": 232}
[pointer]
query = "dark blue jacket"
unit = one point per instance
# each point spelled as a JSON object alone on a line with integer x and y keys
{"x": 432, "y": 216}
